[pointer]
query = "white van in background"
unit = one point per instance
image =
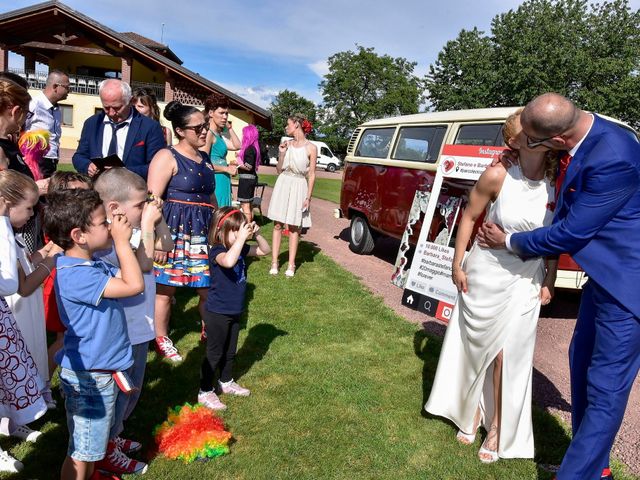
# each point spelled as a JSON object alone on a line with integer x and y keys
{"x": 326, "y": 158}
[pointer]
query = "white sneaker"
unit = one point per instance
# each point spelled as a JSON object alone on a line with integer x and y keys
{"x": 25, "y": 433}
{"x": 210, "y": 400}
{"x": 232, "y": 388}
{"x": 8, "y": 463}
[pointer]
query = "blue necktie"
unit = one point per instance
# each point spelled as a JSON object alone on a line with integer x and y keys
{"x": 113, "y": 145}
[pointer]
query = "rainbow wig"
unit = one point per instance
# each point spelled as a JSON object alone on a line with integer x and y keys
{"x": 33, "y": 145}
{"x": 192, "y": 433}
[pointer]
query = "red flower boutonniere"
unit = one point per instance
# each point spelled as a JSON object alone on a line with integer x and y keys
{"x": 551, "y": 206}
{"x": 140, "y": 144}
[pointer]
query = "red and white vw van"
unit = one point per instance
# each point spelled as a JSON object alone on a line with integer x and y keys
{"x": 389, "y": 159}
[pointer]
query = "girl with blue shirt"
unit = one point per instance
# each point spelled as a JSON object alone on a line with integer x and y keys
{"x": 225, "y": 302}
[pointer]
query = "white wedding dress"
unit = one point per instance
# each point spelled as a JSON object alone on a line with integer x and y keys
{"x": 499, "y": 312}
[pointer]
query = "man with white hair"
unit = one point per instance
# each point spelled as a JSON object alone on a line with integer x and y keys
{"x": 47, "y": 116}
{"x": 119, "y": 129}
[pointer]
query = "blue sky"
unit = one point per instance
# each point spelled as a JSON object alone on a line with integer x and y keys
{"x": 257, "y": 48}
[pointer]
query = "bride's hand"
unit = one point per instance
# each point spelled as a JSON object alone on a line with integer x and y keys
{"x": 460, "y": 279}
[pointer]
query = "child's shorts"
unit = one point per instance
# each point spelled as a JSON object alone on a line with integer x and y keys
{"x": 90, "y": 399}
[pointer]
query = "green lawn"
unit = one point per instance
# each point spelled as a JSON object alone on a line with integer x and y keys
{"x": 338, "y": 382}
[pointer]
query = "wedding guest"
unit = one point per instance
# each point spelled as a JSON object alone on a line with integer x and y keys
{"x": 145, "y": 102}
{"x": 48, "y": 116}
{"x": 216, "y": 108}
{"x": 20, "y": 399}
{"x": 183, "y": 177}
{"x": 487, "y": 355}
{"x": 118, "y": 130}
{"x": 248, "y": 162}
{"x": 291, "y": 197}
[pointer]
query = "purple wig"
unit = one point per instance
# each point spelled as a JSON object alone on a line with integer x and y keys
{"x": 249, "y": 139}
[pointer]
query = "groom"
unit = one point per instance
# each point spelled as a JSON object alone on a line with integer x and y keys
{"x": 597, "y": 221}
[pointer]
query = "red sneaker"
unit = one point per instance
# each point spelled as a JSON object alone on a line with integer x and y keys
{"x": 126, "y": 445}
{"x": 117, "y": 462}
{"x": 166, "y": 349}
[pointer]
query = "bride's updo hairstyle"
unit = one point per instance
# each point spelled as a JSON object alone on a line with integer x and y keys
{"x": 179, "y": 115}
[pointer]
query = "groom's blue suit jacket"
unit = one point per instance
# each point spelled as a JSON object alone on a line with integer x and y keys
{"x": 597, "y": 218}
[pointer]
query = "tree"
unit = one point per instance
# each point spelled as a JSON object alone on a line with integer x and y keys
{"x": 362, "y": 85}
{"x": 464, "y": 74}
{"x": 588, "y": 52}
{"x": 287, "y": 103}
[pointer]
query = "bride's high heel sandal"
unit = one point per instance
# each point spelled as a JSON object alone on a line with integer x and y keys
{"x": 469, "y": 438}
{"x": 484, "y": 454}
{"x": 465, "y": 438}
{"x": 291, "y": 270}
{"x": 274, "y": 268}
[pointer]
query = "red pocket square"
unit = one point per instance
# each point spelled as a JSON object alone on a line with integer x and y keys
{"x": 139, "y": 144}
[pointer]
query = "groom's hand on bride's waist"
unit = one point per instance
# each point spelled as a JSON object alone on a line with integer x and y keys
{"x": 491, "y": 235}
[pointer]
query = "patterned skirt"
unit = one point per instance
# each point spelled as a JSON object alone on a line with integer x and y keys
{"x": 20, "y": 384}
{"x": 188, "y": 264}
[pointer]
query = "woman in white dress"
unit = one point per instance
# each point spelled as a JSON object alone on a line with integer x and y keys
{"x": 291, "y": 195}
{"x": 485, "y": 367}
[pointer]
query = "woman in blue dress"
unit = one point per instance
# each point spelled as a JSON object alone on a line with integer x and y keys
{"x": 184, "y": 178}
{"x": 216, "y": 107}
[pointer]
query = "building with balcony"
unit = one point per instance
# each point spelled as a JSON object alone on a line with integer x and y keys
{"x": 58, "y": 37}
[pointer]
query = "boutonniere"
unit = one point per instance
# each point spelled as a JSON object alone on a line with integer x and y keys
{"x": 139, "y": 144}
{"x": 551, "y": 206}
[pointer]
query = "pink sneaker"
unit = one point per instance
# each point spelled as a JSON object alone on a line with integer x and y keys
{"x": 210, "y": 400}
{"x": 232, "y": 388}
{"x": 166, "y": 349}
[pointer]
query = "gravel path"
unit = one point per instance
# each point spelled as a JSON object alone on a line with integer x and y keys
{"x": 551, "y": 369}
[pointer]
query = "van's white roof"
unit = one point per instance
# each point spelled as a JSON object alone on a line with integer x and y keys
{"x": 449, "y": 116}
{"x": 477, "y": 114}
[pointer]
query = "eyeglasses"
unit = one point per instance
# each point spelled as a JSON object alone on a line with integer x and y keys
{"x": 63, "y": 85}
{"x": 197, "y": 128}
{"x": 537, "y": 143}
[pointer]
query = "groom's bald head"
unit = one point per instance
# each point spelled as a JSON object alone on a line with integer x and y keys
{"x": 550, "y": 114}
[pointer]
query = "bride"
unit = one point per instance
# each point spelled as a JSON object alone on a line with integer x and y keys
{"x": 485, "y": 367}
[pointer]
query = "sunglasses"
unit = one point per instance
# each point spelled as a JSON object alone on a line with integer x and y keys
{"x": 197, "y": 128}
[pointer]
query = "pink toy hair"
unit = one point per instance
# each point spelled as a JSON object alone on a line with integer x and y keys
{"x": 249, "y": 139}
{"x": 33, "y": 145}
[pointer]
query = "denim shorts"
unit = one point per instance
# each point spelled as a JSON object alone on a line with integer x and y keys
{"x": 90, "y": 399}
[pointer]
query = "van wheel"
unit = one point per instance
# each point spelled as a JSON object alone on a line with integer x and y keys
{"x": 331, "y": 168}
{"x": 361, "y": 240}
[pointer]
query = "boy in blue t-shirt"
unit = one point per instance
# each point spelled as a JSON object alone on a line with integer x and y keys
{"x": 96, "y": 344}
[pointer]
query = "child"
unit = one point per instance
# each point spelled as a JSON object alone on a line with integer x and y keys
{"x": 96, "y": 345}
{"x": 225, "y": 303}
{"x": 26, "y": 304}
{"x": 20, "y": 398}
{"x": 60, "y": 180}
{"x": 123, "y": 191}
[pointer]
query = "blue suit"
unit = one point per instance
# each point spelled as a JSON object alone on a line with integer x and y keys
{"x": 597, "y": 221}
{"x": 144, "y": 139}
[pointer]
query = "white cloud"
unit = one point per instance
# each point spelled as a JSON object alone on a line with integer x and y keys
{"x": 320, "y": 68}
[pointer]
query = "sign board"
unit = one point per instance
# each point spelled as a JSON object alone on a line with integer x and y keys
{"x": 428, "y": 287}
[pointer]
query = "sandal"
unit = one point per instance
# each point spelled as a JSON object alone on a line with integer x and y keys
{"x": 491, "y": 455}
{"x": 274, "y": 268}
{"x": 484, "y": 454}
{"x": 465, "y": 438}
{"x": 469, "y": 438}
{"x": 291, "y": 270}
